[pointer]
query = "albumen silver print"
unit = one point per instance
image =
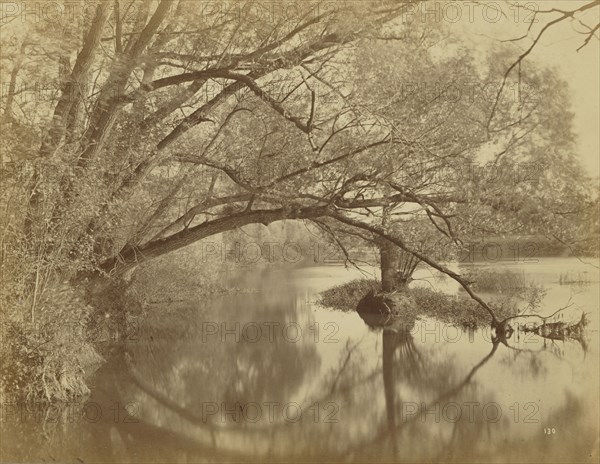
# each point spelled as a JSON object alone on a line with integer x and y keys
{"x": 299, "y": 231}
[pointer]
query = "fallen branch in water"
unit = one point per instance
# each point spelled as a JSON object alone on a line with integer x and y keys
{"x": 556, "y": 326}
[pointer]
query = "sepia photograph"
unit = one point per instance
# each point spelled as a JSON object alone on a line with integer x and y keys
{"x": 299, "y": 231}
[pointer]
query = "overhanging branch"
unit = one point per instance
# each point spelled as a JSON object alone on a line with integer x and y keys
{"x": 397, "y": 241}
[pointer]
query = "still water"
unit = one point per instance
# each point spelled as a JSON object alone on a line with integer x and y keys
{"x": 269, "y": 375}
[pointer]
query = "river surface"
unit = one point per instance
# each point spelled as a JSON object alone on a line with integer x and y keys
{"x": 269, "y": 375}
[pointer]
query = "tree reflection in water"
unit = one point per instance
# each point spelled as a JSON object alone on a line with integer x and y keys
{"x": 386, "y": 401}
{"x": 436, "y": 384}
{"x": 403, "y": 367}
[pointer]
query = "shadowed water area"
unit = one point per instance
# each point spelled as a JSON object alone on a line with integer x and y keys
{"x": 268, "y": 374}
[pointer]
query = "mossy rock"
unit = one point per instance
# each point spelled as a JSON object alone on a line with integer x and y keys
{"x": 387, "y": 304}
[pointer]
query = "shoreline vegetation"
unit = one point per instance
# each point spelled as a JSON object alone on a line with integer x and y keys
{"x": 459, "y": 310}
{"x": 55, "y": 353}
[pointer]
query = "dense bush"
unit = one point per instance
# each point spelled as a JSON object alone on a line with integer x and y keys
{"x": 177, "y": 277}
{"x": 574, "y": 277}
{"x": 48, "y": 352}
{"x": 491, "y": 280}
